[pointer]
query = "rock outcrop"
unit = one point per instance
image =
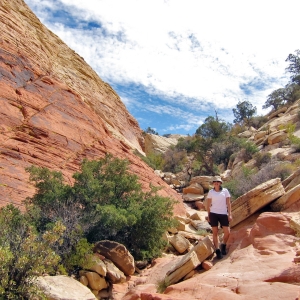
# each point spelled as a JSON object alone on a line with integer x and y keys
{"x": 158, "y": 144}
{"x": 55, "y": 110}
{"x": 64, "y": 287}
{"x": 262, "y": 263}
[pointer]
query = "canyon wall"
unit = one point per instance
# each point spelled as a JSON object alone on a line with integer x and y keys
{"x": 55, "y": 110}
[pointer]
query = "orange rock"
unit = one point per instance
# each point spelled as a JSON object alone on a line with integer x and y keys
{"x": 206, "y": 265}
{"x": 56, "y": 111}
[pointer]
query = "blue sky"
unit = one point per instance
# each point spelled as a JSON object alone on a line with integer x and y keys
{"x": 176, "y": 62}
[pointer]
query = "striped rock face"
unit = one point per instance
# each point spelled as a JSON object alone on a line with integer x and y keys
{"x": 55, "y": 110}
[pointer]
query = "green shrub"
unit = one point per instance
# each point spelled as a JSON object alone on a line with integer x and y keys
{"x": 262, "y": 158}
{"x": 247, "y": 179}
{"x": 174, "y": 160}
{"x": 24, "y": 254}
{"x": 161, "y": 285}
{"x": 105, "y": 202}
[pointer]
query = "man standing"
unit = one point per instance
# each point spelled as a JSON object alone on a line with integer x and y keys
{"x": 219, "y": 211}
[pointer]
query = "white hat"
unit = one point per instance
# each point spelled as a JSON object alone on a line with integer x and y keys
{"x": 217, "y": 178}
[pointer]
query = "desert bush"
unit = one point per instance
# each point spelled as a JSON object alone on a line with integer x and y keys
{"x": 223, "y": 150}
{"x": 247, "y": 179}
{"x": 153, "y": 160}
{"x": 174, "y": 160}
{"x": 262, "y": 158}
{"x": 24, "y": 254}
{"x": 161, "y": 285}
{"x": 55, "y": 202}
{"x": 258, "y": 121}
{"x": 249, "y": 149}
{"x": 105, "y": 202}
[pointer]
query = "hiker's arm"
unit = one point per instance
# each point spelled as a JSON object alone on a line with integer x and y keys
{"x": 228, "y": 202}
{"x": 208, "y": 205}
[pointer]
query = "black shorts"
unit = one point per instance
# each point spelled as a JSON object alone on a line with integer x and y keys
{"x": 214, "y": 220}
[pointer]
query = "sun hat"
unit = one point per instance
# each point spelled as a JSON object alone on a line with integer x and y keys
{"x": 217, "y": 178}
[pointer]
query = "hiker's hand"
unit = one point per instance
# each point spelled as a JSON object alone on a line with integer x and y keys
{"x": 229, "y": 218}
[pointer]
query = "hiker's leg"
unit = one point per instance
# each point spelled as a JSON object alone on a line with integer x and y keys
{"x": 215, "y": 236}
{"x": 226, "y": 230}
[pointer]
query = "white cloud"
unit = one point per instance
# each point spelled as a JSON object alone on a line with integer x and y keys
{"x": 199, "y": 50}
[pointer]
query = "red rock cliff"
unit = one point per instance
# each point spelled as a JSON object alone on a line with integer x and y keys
{"x": 55, "y": 110}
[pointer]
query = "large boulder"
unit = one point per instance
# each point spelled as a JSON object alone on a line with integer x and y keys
{"x": 158, "y": 144}
{"x": 255, "y": 199}
{"x": 63, "y": 288}
{"x": 118, "y": 254}
{"x": 287, "y": 200}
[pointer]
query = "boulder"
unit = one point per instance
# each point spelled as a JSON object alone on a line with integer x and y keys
{"x": 63, "y": 288}
{"x": 199, "y": 205}
{"x": 190, "y": 261}
{"x": 192, "y": 197}
{"x": 257, "y": 198}
{"x": 286, "y": 200}
{"x": 201, "y": 225}
{"x": 246, "y": 134}
{"x": 114, "y": 275}
{"x": 277, "y": 112}
{"x": 179, "y": 242}
{"x": 96, "y": 282}
{"x": 290, "y": 181}
{"x": 194, "y": 188}
{"x": 260, "y": 134}
{"x": 277, "y": 137}
{"x": 118, "y": 254}
{"x": 95, "y": 263}
{"x": 158, "y": 144}
{"x": 204, "y": 181}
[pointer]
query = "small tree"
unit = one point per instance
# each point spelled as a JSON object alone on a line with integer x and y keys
{"x": 213, "y": 128}
{"x": 294, "y": 66}
{"x": 107, "y": 202}
{"x": 24, "y": 254}
{"x": 151, "y": 131}
{"x": 243, "y": 112}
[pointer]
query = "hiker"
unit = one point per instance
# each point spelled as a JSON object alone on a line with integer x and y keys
{"x": 219, "y": 211}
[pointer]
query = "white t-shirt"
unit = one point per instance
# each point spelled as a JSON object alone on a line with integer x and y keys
{"x": 218, "y": 201}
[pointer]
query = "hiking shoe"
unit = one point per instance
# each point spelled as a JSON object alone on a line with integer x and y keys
{"x": 223, "y": 249}
{"x": 219, "y": 254}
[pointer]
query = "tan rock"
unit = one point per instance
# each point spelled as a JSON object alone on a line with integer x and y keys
{"x": 194, "y": 188}
{"x": 179, "y": 242}
{"x": 196, "y": 216}
{"x": 192, "y": 197}
{"x": 118, "y": 254}
{"x": 292, "y": 157}
{"x": 96, "y": 282}
{"x": 200, "y": 225}
{"x": 286, "y": 200}
{"x": 189, "y": 275}
{"x": 260, "y": 134}
{"x": 204, "y": 181}
{"x": 63, "y": 287}
{"x": 277, "y": 137}
{"x": 158, "y": 144}
{"x": 199, "y": 205}
{"x": 114, "y": 274}
{"x": 190, "y": 261}
{"x": 289, "y": 179}
{"x": 190, "y": 235}
{"x": 84, "y": 280}
{"x": 246, "y": 134}
{"x": 277, "y": 112}
{"x": 96, "y": 264}
{"x": 260, "y": 196}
